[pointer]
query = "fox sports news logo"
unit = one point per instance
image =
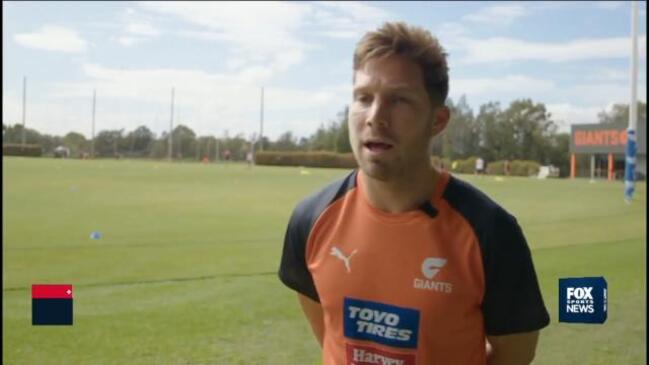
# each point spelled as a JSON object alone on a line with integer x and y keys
{"x": 583, "y": 300}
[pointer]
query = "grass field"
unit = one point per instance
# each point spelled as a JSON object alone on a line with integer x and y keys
{"x": 185, "y": 272}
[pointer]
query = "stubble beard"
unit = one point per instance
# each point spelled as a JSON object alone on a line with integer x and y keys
{"x": 381, "y": 170}
{"x": 394, "y": 170}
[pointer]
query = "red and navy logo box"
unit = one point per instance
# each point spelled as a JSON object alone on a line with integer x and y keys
{"x": 51, "y": 304}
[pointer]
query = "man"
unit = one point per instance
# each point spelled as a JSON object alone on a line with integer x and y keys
{"x": 479, "y": 166}
{"x": 249, "y": 158}
{"x": 399, "y": 263}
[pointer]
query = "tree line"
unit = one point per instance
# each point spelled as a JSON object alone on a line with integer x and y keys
{"x": 524, "y": 130}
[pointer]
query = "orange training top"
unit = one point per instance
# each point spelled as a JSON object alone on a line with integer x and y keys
{"x": 421, "y": 287}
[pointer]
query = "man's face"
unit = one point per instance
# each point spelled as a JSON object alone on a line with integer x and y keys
{"x": 392, "y": 119}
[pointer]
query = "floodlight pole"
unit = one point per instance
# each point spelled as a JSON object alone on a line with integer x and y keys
{"x": 630, "y": 160}
{"x": 217, "y": 153}
{"x": 92, "y": 142}
{"x": 24, "y": 108}
{"x": 261, "y": 122}
{"x": 171, "y": 124}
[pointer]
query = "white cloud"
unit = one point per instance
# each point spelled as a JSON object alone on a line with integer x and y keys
{"x": 145, "y": 29}
{"x": 582, "y": 102}
{"x": 566, "y": 114}
{"x": 136, "y": 28}
{"x": 269, "y": 35}
{"x": 609, "y": 5}
{"x": 262, "y": 40}
{"x": 501, "y": 14}
{"x": 204, "y": 35}
{"x": 208, "y": 102}
{"x": 451, "y": 29}
{"x": 53, "y": 38}
{"x": 347, "y": 20}
{"x": 54, "y": 117}
{"x": 507, "y": 84}
{"x": 608, "y": 74}
{"x": 508, "y": 49}
{"x": 259, "y": 32}
{"x": 569, "y": 104}
{"x": 604, "y": 93}
{"x": 128, "y": 41}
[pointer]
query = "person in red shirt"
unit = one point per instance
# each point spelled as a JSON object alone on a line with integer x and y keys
{"x": 399, "y": 263}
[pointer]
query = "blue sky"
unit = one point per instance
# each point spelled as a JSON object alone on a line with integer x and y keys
{"x": 572, "y": 56}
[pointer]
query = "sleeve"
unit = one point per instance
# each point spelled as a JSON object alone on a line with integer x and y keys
{"x": 513, "y": 302}
{"x": 293, "y": 271}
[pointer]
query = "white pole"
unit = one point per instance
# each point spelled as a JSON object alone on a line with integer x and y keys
{"x": 209, "y": 145}
{"x": 261, "y": 123}
{"x": 92, "y": 142}
{"x": 24, "y": 107}
{"x": 633, "y": 113}
{"x": 592, "y": 168}
{"x": 630, "y": 160}
{"x": 217, "y": 156}
{"x": 171, "y": 123}
{"x": 252, "y": 149}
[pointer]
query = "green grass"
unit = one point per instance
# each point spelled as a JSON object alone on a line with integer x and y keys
{"x": 185, "y": 270}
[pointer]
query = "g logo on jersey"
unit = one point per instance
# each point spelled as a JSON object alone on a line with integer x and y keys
{"x": 431, "y": 266}
{"x": 381, "y": 323}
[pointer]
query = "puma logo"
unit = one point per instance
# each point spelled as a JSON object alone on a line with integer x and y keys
{"x": 335, "y": 251}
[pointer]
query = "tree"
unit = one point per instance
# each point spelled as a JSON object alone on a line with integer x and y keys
{"x": 139, "y": 142}
{"x": 206, "y": 147}
{"x": 160, "y": 147}
{"x": 619, "y": 114}
{"x": 265, "y": 144}
{"x": 342, "y": 137}
{"x": 184, "y": 142}
{"x": 237, "y": 145}
{"x": 303, "y": 144}
{"x": 334, "y": 136}
{"x": 49, "y": 143}
{"x": 14, "y": 134}
{"x": 558, "y": 152}
{"x": 322, "y": 139}
{"x": 76, "y": 142}
{"x": 460, "y": 139}
{"x": 531, "y": 126}
{"x": 285, "y": 142}
{"x": 106, "y": 142}
{"x": 495, "y": 133}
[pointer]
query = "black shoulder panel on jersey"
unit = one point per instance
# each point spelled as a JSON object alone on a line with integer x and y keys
{"x": 513, "y": 302}
{"x": 293, "y": 271}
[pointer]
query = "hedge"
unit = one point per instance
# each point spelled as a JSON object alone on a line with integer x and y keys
{"x": 17, "y": 149}
{"x": 464, "y": 166}
{"x": 346, "y": 160}
{"x": 516, "y": 167}
{"x": 498, "y": 168}
{"x": 441, "y": 163}
{"x": 306, "y": 159}
{"x": 525, "y": 168}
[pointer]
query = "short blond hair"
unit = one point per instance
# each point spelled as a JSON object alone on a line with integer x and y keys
{"x": 414, "y": 43}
